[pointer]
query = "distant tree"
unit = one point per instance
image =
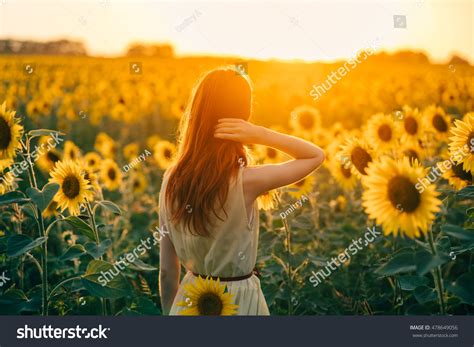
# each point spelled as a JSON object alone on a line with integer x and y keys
{"x": 152, "y": 50}
{"x": 457, "y": 60}
{"x": 60, "y": 47}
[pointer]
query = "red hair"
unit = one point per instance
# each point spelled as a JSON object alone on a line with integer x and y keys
{"x": 205, "y": 165}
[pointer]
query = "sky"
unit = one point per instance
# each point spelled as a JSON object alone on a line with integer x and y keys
{"x": 304, "y": 30}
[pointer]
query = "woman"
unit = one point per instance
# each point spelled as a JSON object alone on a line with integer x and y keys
{"x": 208, "y": 198}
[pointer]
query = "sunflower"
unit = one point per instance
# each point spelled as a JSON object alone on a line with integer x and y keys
{"x": 93, "y": 161}
{"x": 355, "y": 154}
{"x": 206, "y": 297}
{"x": 7, "y": 179}
{"x": 91, "y": 177}
{"x": 437, "y": 122}
{"x": 410, "y": 126}
{"x": 139, "y": 182}
{"x": 462, "y": 141}
{"x": 130, "y": 151}
{"x": 381, "y": 132}
{"x": 74, "y": 188}
{"x": 152, "y": 141}
{"x": 457, "y": 176}
{"x": 10, "y": 133}
{"x": 71, "y": 151}
{"x": 105, "y": 145}
{"x": 268, "y": 200}
{"x": 47, "y": 161}
{"x": 412, "y": 151}
{"x": 343, "y": 174}
{"x": 266, "y": 154}
{"x": 302, "y": 187}
{"x": 110, "y": 174}
{"x": 305, "y": 120}
{"x": 51, "y": 210}
{"x": 395, "y": 197}
{"x": 164, "y": 154}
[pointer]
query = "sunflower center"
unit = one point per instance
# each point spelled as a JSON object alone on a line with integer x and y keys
{"x": 470, "y": 142}
{"x": 271, "y": 153}
{"x": 403, "y": 194}
{"x": 385, "y": 132}
{"x": 300, "y": 183}
{"x": 306, "y": 120}
{"x": 71, "y": 187}
{"x": 5, "y": 134}
{"x": 360, "y": 158}
{"x": 439, "y": 123}
{"x": 52, "y": 157}
{"x": 410, "y": 153}
{"x": 346, "y": 172}
{"x": 460, "y": 173}
{"x": 411, "y": 125}
{"x": 167, "y": 153}
{"x": 210, "y": 304}
{"x": 112, "y": 174}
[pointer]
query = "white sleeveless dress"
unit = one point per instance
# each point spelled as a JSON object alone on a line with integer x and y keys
{"x": 231, "y": 251}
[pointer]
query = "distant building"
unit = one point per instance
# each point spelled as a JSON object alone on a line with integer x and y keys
{"x": 60, "y": 47}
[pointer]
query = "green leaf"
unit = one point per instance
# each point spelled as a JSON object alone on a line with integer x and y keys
{"x": 109, "y": 205}
{"x": 463, "y": 288}
{"x": 42, "y": 198}
{"x": 95, "y": 250}
{"x": 467, "y": 192}
{"x": 80, "y": 226}
{"x": 411, "y": 282}
{"x": 424, "y": 294}
{"x": 458, "y": 232}
{"x": 141, "y": 266}
{"x": 425, "y": 261}
{"x": 20, "y": 244}
{"x": 43, "y": 132}
{"x": 14, "y": 197}
{"x": 104, "y": 280}
{"x": 400, "y": 262}
{"x": 73, "y": 252}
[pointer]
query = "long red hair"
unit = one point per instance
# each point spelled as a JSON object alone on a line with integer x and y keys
{"x": 199, "y": 182}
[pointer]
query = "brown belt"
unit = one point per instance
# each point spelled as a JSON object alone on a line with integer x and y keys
{"x": 226, "y": 279}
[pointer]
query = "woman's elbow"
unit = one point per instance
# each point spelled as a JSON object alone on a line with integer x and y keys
{"x": 319, "y": 158}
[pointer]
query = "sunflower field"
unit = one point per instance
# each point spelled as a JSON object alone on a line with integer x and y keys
{"x": 84, "y": 143}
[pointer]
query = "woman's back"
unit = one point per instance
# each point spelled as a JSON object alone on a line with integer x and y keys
{"x": 231, "y": 249}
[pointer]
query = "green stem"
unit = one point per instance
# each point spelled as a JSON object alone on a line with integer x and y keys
{"x": 44, "y": 246}
{"x": 59, "y": 286}
{"x": 91, "y": 214}
{"x": 437, "y": 275}
{"x": 290, "y": 271}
